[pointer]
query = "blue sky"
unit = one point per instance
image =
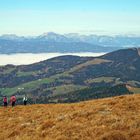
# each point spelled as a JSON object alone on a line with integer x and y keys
{"x": 33, "y": 17}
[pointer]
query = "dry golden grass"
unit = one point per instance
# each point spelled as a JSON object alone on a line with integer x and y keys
{"x": 88, "y": 63}
{"x": 105, "y": 119}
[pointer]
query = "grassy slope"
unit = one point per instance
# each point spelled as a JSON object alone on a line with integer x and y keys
{"x": 36, "y": 83}
{"x": 105, "y": 119}
{"x": 95, "y": 61}
{"x": 133, "y": 89}
{"x": 33, "y": 85}
{"x": 29, "y": 85}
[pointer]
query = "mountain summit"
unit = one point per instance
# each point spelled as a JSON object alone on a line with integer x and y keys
{"x": 51, "y": 36}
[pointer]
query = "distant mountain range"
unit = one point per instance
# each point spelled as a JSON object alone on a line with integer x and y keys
{"x": 73, "y": 78}
{"x": 52, "y": 42}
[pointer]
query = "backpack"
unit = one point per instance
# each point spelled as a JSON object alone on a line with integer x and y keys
{"x": 13, "y": 99}
{"x": 4, "y": 99}
{"x": 25, "y": 99}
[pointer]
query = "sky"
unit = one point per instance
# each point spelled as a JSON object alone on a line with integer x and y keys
{"x": 34, "y": 17}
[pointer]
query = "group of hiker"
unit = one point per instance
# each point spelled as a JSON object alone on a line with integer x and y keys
{"x": 13, "y": 100}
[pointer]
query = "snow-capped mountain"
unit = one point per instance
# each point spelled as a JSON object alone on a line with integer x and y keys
{"x": 51, "y": 36}
{"x": 73, "y": 42}
{"x": 11, "y": 37}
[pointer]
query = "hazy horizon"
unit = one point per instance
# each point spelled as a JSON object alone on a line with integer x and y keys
{"x": 80, "y": 34}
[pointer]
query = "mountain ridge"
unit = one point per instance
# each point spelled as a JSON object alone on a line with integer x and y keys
{"x": 67, "y": 75}
{"x": 53, "y": 42}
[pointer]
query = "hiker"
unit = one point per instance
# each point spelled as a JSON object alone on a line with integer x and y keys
{"x": 5, "y": 102}
{"x": 13, "y": 100}
{"x": 25, "y": 100}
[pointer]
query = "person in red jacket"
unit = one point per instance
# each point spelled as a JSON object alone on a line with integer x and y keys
{"x": 5, "y": 102}
{"x": 13, "y": 100}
